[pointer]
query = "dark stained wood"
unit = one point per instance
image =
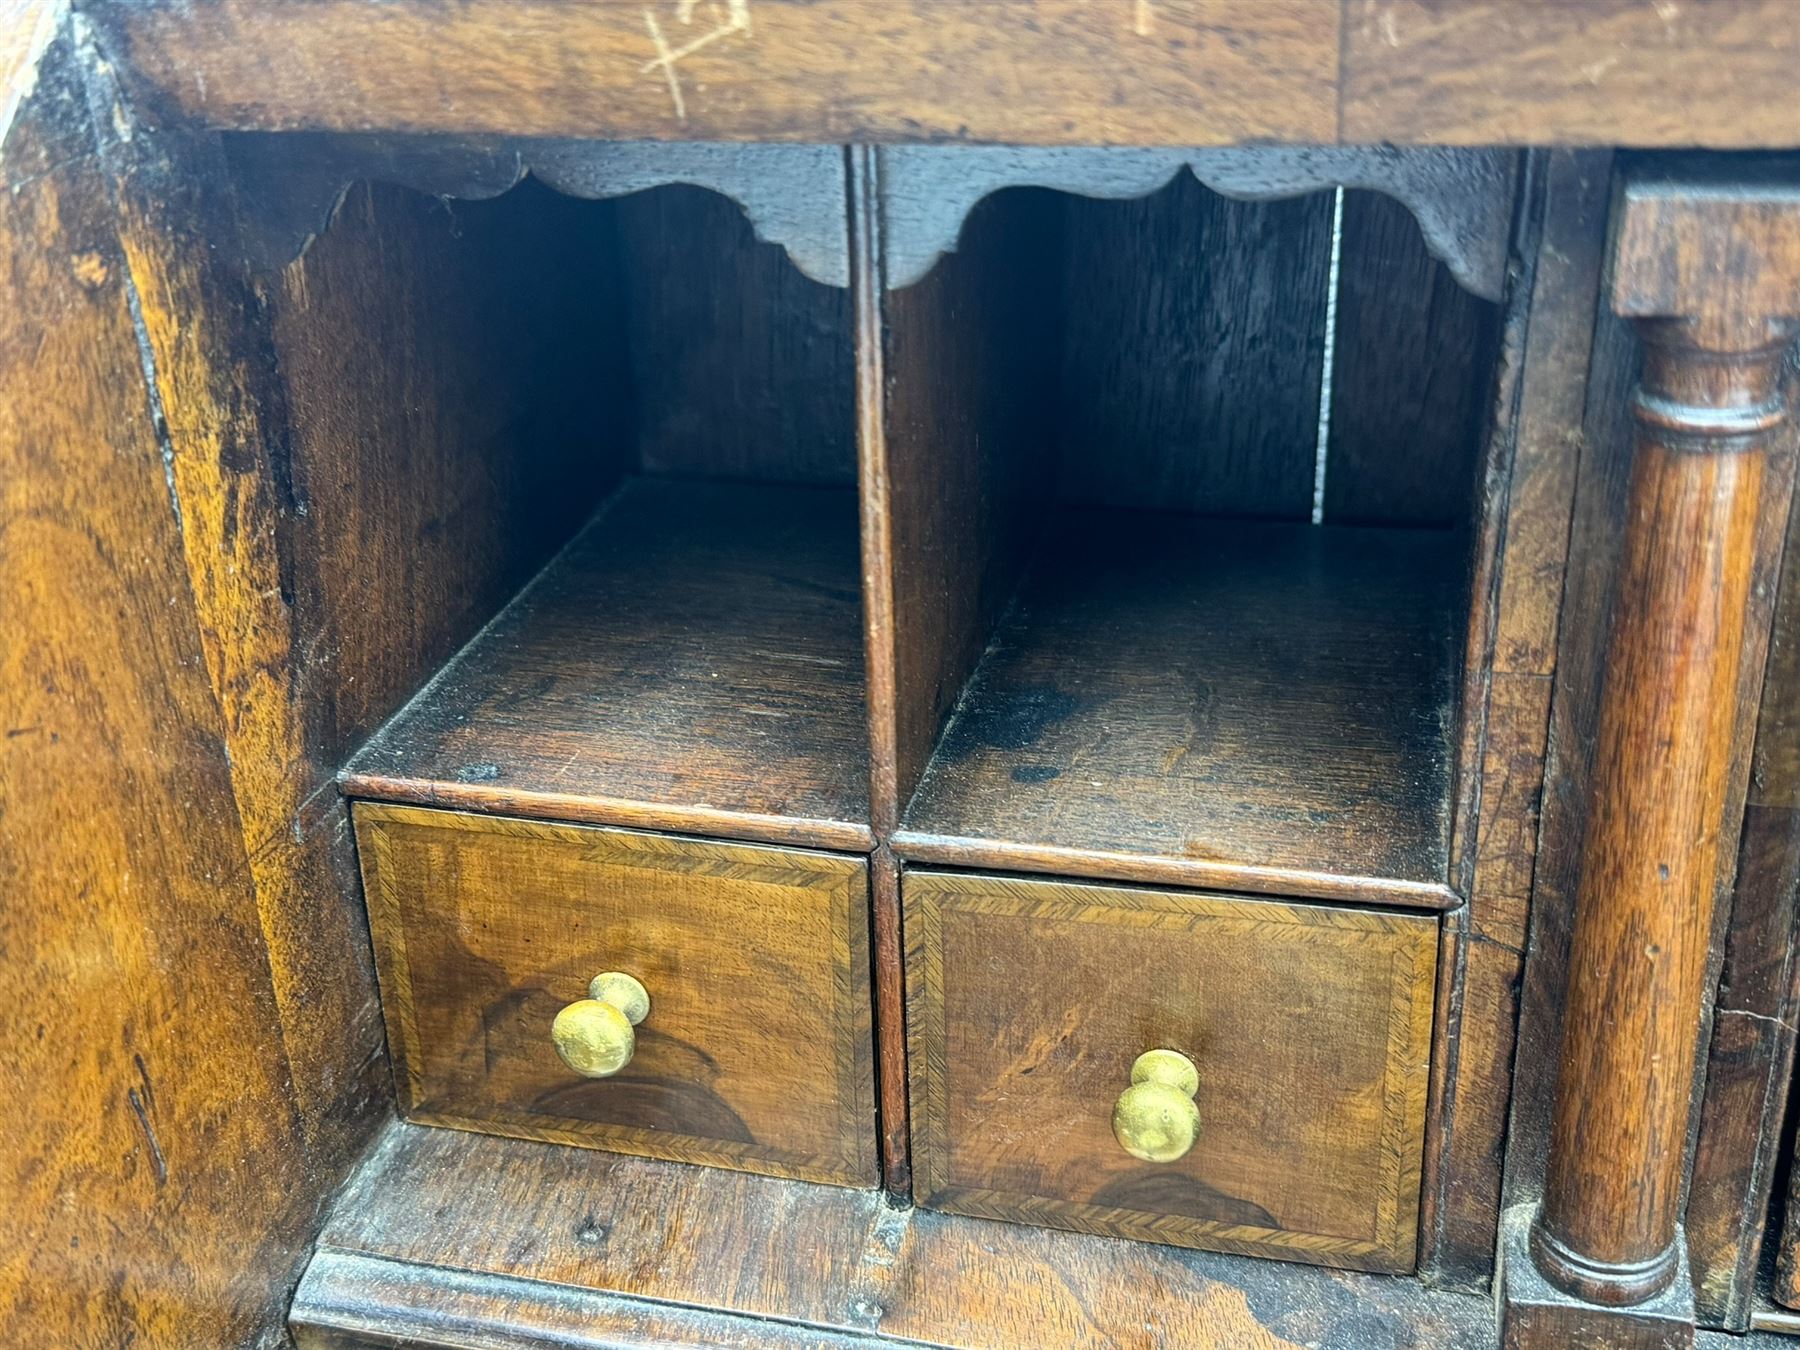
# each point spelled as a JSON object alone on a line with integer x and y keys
{"x": 1461, "y": 198}
{"x": 1412, "y": 378}
{"x": 1181, "y": 72}
{"x": 791, "y": 195}
{"x": 1749, "y": 1061}
{"x": 756, "y": 1050}
{"x": 1311, "y": 1027}
{"x": 420, "y": 1237}
{"x": 692, "y": 662}
{"x": 1536, "y": 1313}
{"x": 1193, "y": 349}
{"x": 163, "y": 1180}
{"x": 1570, "y": 72}
{"x": 1255, "y": 706}
{"x": 1708, "y": 269}
{"x": 1785, "y": 1282}
{"x": 957, "y": 482}
{"x": 1526, "y": 501}
{"x": 452, "y": 378}
{"x": 888, "y": 992}
{"x": 740, "y": 366}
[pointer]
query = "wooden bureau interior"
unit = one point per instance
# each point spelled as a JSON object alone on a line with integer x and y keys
{"x": 1120, "y": 562}
{"x": 853, "y": 673}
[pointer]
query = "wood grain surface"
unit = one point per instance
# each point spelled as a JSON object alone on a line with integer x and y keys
{"x": 1193, "y": 347}
{"x": 1028, "y": 1001}
{"x": 1594, "y": 542}
{"x": 452, "y": 386}
{"x": 1412, "y": 379}
{"x": 1525, "y": 503}
{"x": 740, "y": 365}
{"x": 1707, "y": 265}
{"x": 163, "y": 1177}
{"x": 954, "y": 504}
{"x": 693, "y": 661}
{"x": 1257, "y": 706}
{"x": 1750, "y": 1058}
{"x": 756, "y": 1051}
{"x": 1169, "y": 72}
{"x": 1174, "y": 71}
{"x": 1569, "y": 72}
{"x": 665, "y": 1239}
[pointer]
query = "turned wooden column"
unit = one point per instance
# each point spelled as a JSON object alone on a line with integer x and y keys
{"x": 1710, "y": 275}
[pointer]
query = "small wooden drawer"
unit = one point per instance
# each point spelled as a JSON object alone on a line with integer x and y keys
{"x": 1029, "y": 1001}
{"x": 756, "y": 1050}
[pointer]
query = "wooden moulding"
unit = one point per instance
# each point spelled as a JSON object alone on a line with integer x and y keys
{"x": 1708, "y": 269}
{"x": 793, "y": 195}
{"x": 424, "y": 1247}
{"x": 692, "y": 662}
{"x": 1461, "y": 199}
{"x": 1750, "y": 1056}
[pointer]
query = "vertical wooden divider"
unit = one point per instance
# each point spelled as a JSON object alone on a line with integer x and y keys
{"x": 952, "y": 413}
{"x": 873, "y": 478}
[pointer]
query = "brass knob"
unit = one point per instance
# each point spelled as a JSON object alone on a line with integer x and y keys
{"x": 1155, "y": 1118}
{"x": 594, "y": 1035}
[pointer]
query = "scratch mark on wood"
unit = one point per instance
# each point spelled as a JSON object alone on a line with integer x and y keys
{"x": 737, "y": 20}
{"x": 1143, "y": 21}
{"x": 666, "y": 59}
{"x": 157, "y": 1161}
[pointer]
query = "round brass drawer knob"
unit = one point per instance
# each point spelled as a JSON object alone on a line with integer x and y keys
{"x": 594, "y": 1035}
{"x": 1155, "y": 1118}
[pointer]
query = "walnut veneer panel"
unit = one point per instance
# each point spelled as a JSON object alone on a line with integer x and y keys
{"x": 755, "y": 1054}
{"x": 694, "y": 661}
{"x": 1028, "y": 1001}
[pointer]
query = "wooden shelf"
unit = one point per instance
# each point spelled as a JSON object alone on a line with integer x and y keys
{"x": 692, "y": 661}
{"x": 1248, "y": 705}
{"x": 451, "y": 1239}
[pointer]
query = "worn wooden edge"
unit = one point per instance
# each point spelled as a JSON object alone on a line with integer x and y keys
{"x": 1768, "y": 1316}
{"x": 846, "y": 877}
{"x": 1474, "y": 695}
{"x": 880, "y": 663}
{"x": 839, "y": 835}
{"x": 916, "y": 846}
{"x": 350, "y": 1299}
{"x": 1392, "y": 1245}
